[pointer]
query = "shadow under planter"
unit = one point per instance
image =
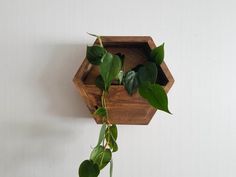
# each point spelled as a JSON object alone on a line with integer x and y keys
{"x": 122, "y": 108}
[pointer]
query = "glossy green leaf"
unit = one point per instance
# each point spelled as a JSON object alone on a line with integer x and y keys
{"x": 100, "y": 83}
{"x": 101, "y": 134}
{"x": 155, "y": 95}
{"x": 88, "y": 169}
{"x": 111, "y": 137}
{"x": 157, "y": 54}
{"x": 113, "y": 131}
{"x": 109, "y": 68}
{"x": 95, "y": 54}
{"x": 97, "y": 151}
{"x": 147, "y": 72}
{"x": 130, "y": 82}
{"x": 101, "y": 156}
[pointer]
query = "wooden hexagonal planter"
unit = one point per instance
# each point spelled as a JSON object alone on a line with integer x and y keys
{"x": 122, "y": 108}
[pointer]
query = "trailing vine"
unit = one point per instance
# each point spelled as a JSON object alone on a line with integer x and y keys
{"x": 142, "y": 78}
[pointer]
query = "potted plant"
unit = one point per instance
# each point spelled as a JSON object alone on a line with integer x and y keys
{"x": 123, "y": 81}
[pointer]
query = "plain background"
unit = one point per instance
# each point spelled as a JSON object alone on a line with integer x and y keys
{"x": 45, "y": 127}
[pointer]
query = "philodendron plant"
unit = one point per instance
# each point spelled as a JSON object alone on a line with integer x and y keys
{"x": 142, "y": 78}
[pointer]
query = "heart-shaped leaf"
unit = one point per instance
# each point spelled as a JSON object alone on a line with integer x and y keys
{"x": 95, "y": 54}
{"x": 88, "y": 169}
{"x": 109, "y": 68}
{"x": 101, "y": 156}
{"x": 155, "y": 95}
{"x": 147, "y": 72}
{"x": 130, "y": 82}
{"x": 157, "y": 54}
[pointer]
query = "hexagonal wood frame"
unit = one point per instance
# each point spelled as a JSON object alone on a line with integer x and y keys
{"x": 122, "y": 108}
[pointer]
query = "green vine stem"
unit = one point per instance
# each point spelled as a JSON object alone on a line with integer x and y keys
{"x": 103, "y": 100}
{"x": 107, "y": 137}
{"x": 100, "y": 41}
{"x": 142, "y": 78}
{"x": 106, "y": 120}
{"x": 104, "y": 93}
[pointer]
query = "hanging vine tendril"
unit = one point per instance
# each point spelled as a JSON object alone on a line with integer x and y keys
{"x": 142, "y": 78}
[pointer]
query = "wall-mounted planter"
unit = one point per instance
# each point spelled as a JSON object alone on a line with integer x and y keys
{"x": 122, "y": 108}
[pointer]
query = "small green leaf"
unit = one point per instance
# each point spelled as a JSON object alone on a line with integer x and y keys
{"x": 97, "y": 151}
{"x": 147, "y": 72}
{"x": 101, "y": 111}
{"x": 111, "y": 137}
{"x": 95, "y": 54}
{"x": 130, "y": 82}
{"x": 122, "y": 58}
{"x": 100, "y": 83}
{"x": 157, "y": 54}
{"x": 109, "y": 68}
{"x": 101, "y": 134}
{"x": 88, "y": 169}
{"x": 101, "y": 156}
{"x": 155, "y": 95}
{"x": 120, "y": 76}
{"x": 113, "y": 131}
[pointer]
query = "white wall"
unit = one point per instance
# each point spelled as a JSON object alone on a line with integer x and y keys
{"x": 45, "y": 127}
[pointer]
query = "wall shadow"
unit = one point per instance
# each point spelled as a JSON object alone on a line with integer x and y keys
{"x": 56, "y": 80}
